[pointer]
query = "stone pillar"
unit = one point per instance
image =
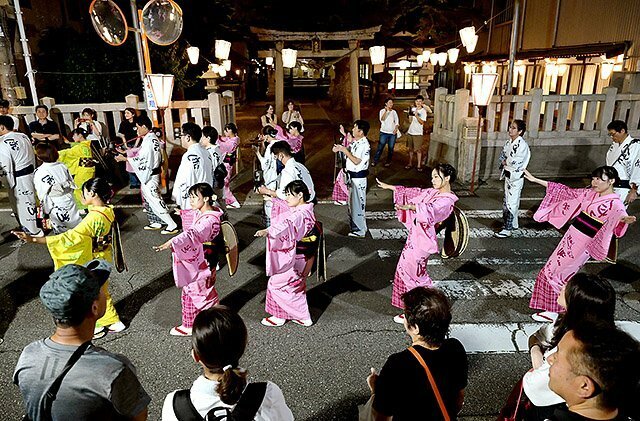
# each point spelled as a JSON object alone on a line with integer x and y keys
{"x": 132, "y": 101}
{"x": 355, "y": 85}
{"x": 279, "y": 79}
{"x": 607, "y": 109}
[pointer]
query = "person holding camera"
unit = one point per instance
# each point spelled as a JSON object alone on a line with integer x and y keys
{"x": 415, "y": 134}
{"x": 268, "y": 164}
{"x": 389, "y": 124}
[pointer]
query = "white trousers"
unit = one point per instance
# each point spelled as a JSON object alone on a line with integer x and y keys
{"x": 23, "y": 203}
{"x": 511, "y": 204}
{"x": 151, "y": 194}
{"x": 357, "y": 205}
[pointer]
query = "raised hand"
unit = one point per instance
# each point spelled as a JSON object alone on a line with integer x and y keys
{"x": 630, "y": 219}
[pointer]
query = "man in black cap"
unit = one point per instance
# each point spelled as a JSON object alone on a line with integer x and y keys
{"x": 100, "y": 385}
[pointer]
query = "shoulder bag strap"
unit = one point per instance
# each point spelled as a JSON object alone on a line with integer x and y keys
{"x": 183, "y": 408}
{"x": 436, "y": 392}
{"x": 50, "y": 395}
{"x": 250, "y": 401}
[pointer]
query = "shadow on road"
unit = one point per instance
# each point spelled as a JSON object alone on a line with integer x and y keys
{"x": 129, "y": 306}
{"x": 19, "y": 292}
{"x": 344, "y": 409}
{"x": 241, "y": 296}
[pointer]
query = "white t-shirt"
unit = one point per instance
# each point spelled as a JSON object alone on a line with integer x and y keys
{"x": 204, "y": 398}
{"x": 360, "y": 149}
{"x": 389, "y": 124}
{"x": 535, "y": 382}
{"x": 415, "y": 128}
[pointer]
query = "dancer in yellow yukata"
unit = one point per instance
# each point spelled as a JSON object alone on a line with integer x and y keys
{"x": 79, "y": 159}
{"x": 90, "y": 239}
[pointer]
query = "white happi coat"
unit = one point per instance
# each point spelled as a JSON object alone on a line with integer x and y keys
{"x": 292, "y": 171}
{"x": 195, "y": 167}
{"x": 625, "y": 158}
{"x": 516, "y": 154}
{"x": 16, "y": 154}
{"x": 54, "y": 186}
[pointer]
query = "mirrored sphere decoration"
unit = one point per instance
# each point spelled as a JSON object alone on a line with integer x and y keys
{"x": 108, "y": 21}
{"x": 162, "y": 21}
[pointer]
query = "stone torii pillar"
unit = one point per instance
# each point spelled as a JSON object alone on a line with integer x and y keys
{"x": 279, "y": 106}
{"x": 354, "y": 76}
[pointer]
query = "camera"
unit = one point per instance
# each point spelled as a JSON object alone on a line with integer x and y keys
{"x": 412, "y": 111}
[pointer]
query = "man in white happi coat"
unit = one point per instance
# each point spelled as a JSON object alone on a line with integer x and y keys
{"x": 17, "y": 165}
{"x": 291, "y": 171}
{"x": 624, "y": 156}
{"x": 195, "y": 165}
{"x": 147, "y": 166}
{"x": 357, "y": 170}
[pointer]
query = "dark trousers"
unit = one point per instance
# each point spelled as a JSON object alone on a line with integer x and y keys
{"x": 385, "y": 138}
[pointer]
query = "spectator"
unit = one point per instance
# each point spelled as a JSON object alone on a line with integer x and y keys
{"x": 596, "y": 371}
{"x": 130, "y": 143}
{"x": 587, "y": 298}
{"x": 292, "y": 114}
{"x": 415, "y": 133}
{"x": 4, "y": 110}
{"x": 402, "y": 389}
{"x": 101, "y": 385}
{"x": 43, "y": 129}
{"x": 269, "y": 118}
{"x": 218, "y": 342}
{"x": 389, "y": 124}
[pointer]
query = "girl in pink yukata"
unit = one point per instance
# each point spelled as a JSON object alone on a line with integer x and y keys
{"x": 340, "y": 193}
{"x": 228, "y": 145}
{"x": 420, "y": 210}
{"x": 291, "y": 221}
{"x": 293, "y": 137}
{"x": 194, "y": 269}
{"x": 597, "y": 214}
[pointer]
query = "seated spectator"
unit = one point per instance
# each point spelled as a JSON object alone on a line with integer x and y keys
{"x": 219, "y": 339}
{"x": 101, "y": 385}
{"x": 44, "y": 129}
{"x": 402, "y": 389}
{"x": 596, "y": 371}
{"x": 588, "y": 299}
{"x": 4, "y": 110}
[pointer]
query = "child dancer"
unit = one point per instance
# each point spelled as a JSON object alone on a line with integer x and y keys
{"x": 79, "y": 159}
{"x": 228, "y": 145}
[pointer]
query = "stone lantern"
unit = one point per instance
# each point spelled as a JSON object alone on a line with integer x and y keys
{"x": 425, "y": 76}
{"x": 212, "y": 80}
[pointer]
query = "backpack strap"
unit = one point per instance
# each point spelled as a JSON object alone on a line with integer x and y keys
{"x": 183, "y": 407}
{"x": 250, "y": 401}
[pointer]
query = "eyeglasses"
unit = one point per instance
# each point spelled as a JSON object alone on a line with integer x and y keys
{"x": 610, "y": 134}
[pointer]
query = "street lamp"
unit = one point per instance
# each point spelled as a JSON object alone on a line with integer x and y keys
{"x": 482, "y": 87}
{"x": 162, "y": 88}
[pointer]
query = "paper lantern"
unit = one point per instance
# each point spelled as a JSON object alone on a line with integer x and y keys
{"x": 433, "y": 59}
{"x": 222, "y": 49}
{"x": 227, "y": 65}
{"x": 162, "y": 88}
{"x": 420, "y": 60}
{"x": 269, "y": 61}
{"x": 442, "y": 58}
{"x": 482, "y": 87}
{"x": 452, "y": 53}
{"x": 194, "y": 54}
{"x": 377, "y": 54}
{"x": 289, "y": 57}
{"x": 404, "y": 64}
{"x": 469, "y": 38}
{"x": 562, "y": 69}
{"x": 606, "y": 69}
{"x": 426, "y": 54}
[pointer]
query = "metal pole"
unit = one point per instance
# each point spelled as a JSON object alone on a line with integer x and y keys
{"x": 515, "y": 26}
{"x": 477, "y": 148}
{"x": 25, "y": 52}
{"x": 137, "y": 31}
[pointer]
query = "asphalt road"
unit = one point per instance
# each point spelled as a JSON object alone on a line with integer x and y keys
{"x": 321, "y": 369}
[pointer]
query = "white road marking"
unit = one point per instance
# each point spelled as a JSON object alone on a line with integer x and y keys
{"x": 401, "y": 233}
{"x": 498, "y": 288}
{"x": 470, "y": 213}
{"x": 485, "y": 261}
{"x": 501, "y": 338}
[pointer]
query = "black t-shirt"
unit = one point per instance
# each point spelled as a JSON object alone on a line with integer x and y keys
{"x": 129, "y": 131}
{"x": 50, "y": 127}
{"x": 563, "y": 414}
{"x": 403, "y": 390}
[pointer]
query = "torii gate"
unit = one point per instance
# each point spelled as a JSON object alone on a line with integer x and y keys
{"x": 353, "y": 37}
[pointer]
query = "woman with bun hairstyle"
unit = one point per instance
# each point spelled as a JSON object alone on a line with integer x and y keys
{"x": 90, "y": 239}
{"x": 218, "y": 342}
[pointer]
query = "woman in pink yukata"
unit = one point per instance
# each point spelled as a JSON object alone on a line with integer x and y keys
{"x": 420, "y": 210}
{"x": 228, "y": 145}
{"x": 340, "y": 193}
{"x": 599, "y": 214}
{"x": 291, "y": 221}
{"x": 194, "y": 270}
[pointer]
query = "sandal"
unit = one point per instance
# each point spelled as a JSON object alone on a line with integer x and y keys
{"x": 408, "y": 167}
{"x": 305, "y": 323}
{"x": 180, "y": 331}
{"x": 420, "y": 169}
{"x": 273, "y": 321}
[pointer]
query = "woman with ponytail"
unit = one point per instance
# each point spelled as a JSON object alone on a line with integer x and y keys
{"x": 217, "y": 344}
{"x": 90, "y": 239}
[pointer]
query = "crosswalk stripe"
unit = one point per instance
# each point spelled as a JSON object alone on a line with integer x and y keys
{"x": 502, "y": 338}
{"x": 484, "y": 261}
{"x": 401, "y": 233}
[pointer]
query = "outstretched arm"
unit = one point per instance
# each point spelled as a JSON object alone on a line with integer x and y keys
{"x": 536, "y": 180}
{"x": 385, "y": 185}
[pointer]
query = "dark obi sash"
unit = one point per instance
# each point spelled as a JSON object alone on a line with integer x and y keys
{"x": 308, "y": 245}
{"x": 587, "y": 224}
{"x": 622, "y": 184}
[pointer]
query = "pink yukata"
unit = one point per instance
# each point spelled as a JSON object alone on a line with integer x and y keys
{"x": 295, "y": 142}
{"x": 228, "y": 146}
{"x": 560, "y": 205}
{"x": 432, "y": 207}
{"x": 286, "y": 295}
{"x": 340, "y": 188}
{"x": 191, "y": 269}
